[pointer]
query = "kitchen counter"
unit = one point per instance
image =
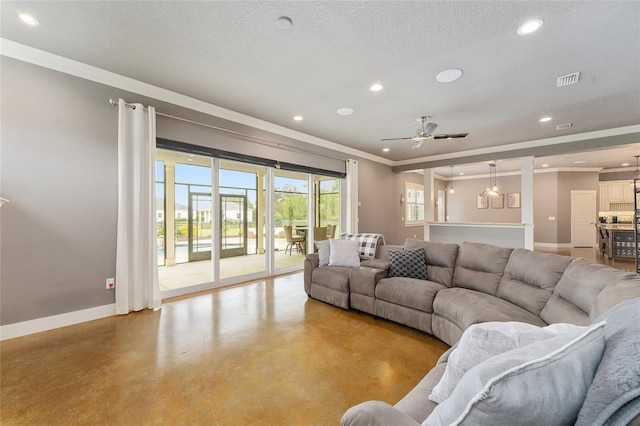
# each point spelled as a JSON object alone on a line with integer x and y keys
{"x": 617, "y": 240}
{"x": 620, "y": 226}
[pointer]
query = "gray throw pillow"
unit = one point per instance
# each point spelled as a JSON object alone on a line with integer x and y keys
{"x": 344, "y": 253}
{"x": 323, "y": 252}
{"x": 482, "y": 341}
{"x": 544, "y": 383}
{"x": 614, "y": 395}
{"x": 408, "y": 263}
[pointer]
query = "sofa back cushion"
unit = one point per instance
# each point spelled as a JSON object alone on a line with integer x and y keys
{"x": 480, "y": 267}
{"x": 577, "y": 291}
{"x": 440, "y": 258}
{"x": 530, "y": 278}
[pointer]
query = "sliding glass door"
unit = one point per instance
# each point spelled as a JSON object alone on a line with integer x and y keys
{"x": 222, "y": 221}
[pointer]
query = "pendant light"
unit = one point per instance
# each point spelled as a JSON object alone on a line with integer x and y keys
{"x": 636, "y": 176}
{"x": 492, "y": 190}
{"x": 451, "y": 190}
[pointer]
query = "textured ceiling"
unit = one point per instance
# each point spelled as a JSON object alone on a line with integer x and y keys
{"x": 232, "y": 54}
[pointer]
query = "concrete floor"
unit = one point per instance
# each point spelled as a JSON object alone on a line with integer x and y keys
{"x": 255, "y": 354}
{"x": 260, "y": 353}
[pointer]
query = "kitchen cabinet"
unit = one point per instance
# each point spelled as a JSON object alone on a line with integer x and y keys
{"x": 604, "y": 198}
{"x": 620, "y": 192}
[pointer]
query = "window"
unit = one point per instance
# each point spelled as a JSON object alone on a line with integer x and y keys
{"x": 413, "y": 204}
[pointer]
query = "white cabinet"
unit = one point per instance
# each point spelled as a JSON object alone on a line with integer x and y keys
{"x": 604, "y": 198}
{"x": 620, "y": 192}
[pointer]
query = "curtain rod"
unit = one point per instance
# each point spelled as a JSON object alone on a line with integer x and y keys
{"x": 256, "y": 139}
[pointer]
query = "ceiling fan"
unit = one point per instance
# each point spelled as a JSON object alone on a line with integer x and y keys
{"x": 426, "y": 132}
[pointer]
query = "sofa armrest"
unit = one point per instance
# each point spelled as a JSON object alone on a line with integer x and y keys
{"x": 311, "y": 262}
{"x": 363, "y": 280}
{"x": 376, "y": 413}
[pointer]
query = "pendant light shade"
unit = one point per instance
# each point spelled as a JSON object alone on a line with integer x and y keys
{"x": 636, "y": 176}
{"x": 492, "y": 190}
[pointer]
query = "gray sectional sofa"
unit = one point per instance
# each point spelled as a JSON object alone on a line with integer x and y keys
{"x": 477, "y": 283}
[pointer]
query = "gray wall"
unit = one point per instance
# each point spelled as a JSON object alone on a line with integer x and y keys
{"x": 462, "y": 204}
{"x": 551, "y": 198}
{"x": 380, "y": 211}
{"x": 626, "y": 175}
{"x": 58, "y": 166}
{"x": 545, "y": 201}
{"x": 568, "y": 181}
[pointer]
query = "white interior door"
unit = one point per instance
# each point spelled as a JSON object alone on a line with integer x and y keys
{"x": 583, "y": 218}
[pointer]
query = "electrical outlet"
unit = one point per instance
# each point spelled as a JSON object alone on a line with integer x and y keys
{"x": 111, "y": 283}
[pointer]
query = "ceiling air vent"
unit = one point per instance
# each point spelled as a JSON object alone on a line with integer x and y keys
{"x": 568, "y": 79}
{"x": 564, "y": 126}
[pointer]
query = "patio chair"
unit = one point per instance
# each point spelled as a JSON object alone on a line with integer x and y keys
{"x": 293, "y": 241}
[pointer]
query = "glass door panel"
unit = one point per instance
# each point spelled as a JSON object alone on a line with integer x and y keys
{"x": 199, "y": 229}
{"x": 233, "y": 229}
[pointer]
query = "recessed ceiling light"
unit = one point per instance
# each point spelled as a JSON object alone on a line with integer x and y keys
{"x": 461, "y": 173}
{"x": 530, "y": 26}
{"x": 376, "y": 87}
{"x": 579, "y": 162}
{"x": 447, "y": 76}
{"x": 385, "y": 150}
{"x": 284, "y": 22}
{"x": 545, "y": 165}
{"x": 344, "y": 111}
{"x": 298, "y": 118}
{"x": 28, "y": 19}
{"x": 625, "y": 164}
{"x": 544, "y": 119}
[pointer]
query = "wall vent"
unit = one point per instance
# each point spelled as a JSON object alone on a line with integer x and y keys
{"x": 564, "y": 126}
{"x": 568, "y": 79}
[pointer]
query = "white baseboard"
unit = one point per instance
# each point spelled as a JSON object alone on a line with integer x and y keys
{"x": 37, "y": 325}
{"x": 553, "y": 246}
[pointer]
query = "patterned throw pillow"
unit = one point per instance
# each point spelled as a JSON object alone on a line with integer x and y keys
{"x": 408, "y": 263}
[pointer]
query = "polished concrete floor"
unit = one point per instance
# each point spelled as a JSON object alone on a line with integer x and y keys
{"x": 255, "y": 354}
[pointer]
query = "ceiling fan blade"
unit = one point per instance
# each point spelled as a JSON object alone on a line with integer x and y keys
{"x": 429, "y": 128}
{"x": 451, "y": 136}
{"x": 396, "y": 139}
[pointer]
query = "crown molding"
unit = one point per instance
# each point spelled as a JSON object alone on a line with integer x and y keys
{"x": 68, "y": 66}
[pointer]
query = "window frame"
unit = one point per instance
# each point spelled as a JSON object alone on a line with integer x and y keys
{"x": 412, "y": 204}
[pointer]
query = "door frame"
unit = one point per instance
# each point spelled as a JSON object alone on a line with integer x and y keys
{"x": 199, "y": 255}
{"x": 242, "y": 250}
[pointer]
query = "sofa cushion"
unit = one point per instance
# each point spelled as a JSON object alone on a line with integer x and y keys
{"x": 409, "y": 292}
{"x": 579, "y": 287}
{"x": 628, "y": 288}
{"x": 408, "y": 263}
{"x": 440, "y": 259}
{"x": 375, "y": 263}
{"x": 480, "y": 267}
{"x": 539, "y": 384}
{"x": 530, "y": 277}
{"x": 482, "y": 341}
{"x": 614, "y": 395}
{"x": 467, "y": 307}
{"x": 343, "y": 253}
{"x": 416, "y": 403}
{"x": 584, "y": 280}
{"x": 334, "y": 277}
